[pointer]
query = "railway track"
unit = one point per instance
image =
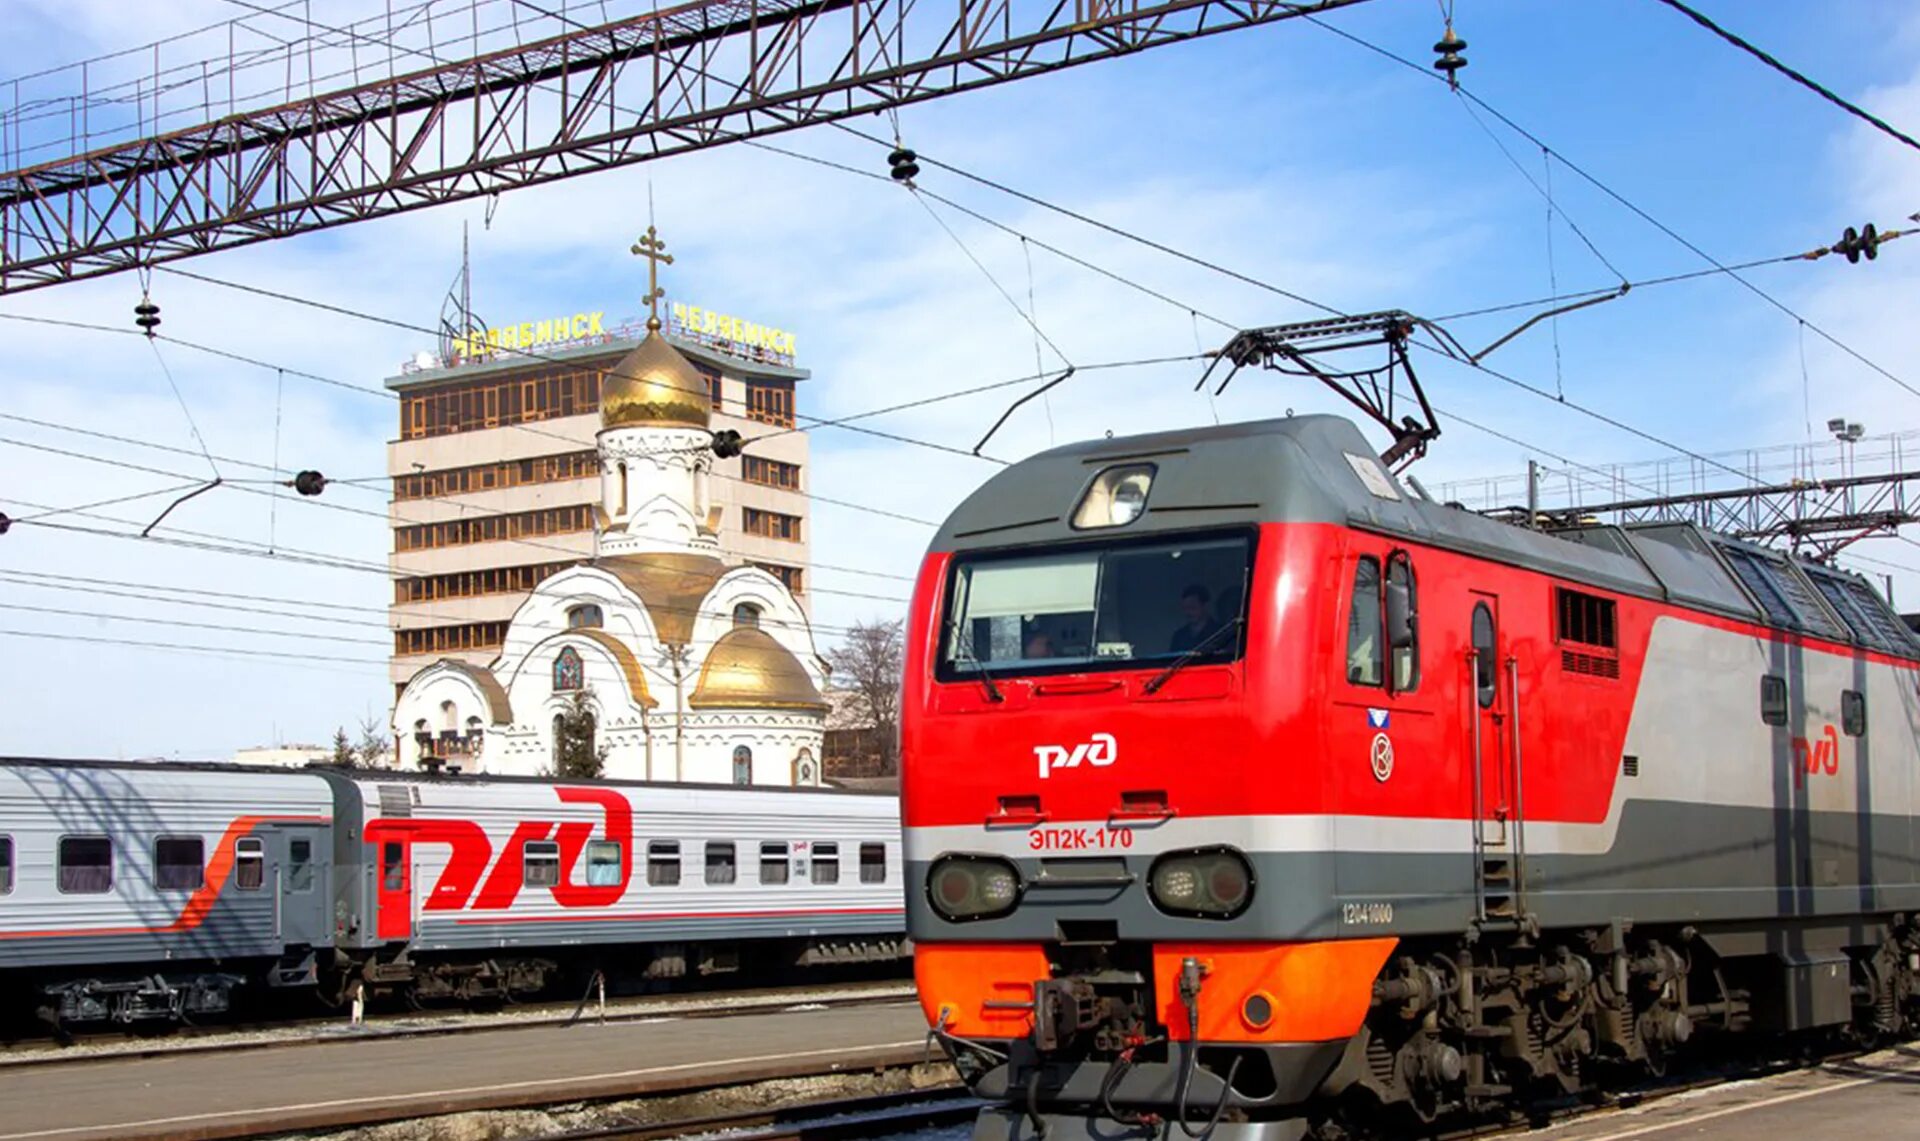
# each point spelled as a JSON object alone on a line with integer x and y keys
{"x": 838, "y": 1118}
{"x": 224, "y": 1038}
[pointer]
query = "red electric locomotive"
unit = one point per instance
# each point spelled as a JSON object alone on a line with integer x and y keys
{"x": 1247, "y": 788}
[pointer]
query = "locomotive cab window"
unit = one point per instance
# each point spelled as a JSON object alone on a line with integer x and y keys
{"x": 1486, "y": 667}
{"x": 663, "y": 863}
{"x": 249, "y": 864}
{"x": 540, "y": 863}
{"x": 6, "y": 865}
{"x": 1363, "y": 625}
{"x": 86, "y": 865}
{"x": 178, "y": 863}
{"x": 1115, "y": 606}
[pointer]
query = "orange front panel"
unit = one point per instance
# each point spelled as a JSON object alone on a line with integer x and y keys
{"x": 1315, "y": 992}
{"x": 974, "y": 989}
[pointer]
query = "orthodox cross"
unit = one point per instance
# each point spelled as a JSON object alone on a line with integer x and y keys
{"x": 655, "y": 251}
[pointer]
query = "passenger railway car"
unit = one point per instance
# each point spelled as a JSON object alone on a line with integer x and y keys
{"x": 1246, "y": 786}
{"x": 132, "y": 892}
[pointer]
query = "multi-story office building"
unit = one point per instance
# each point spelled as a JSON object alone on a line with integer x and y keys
{"x": 496, "y": 484}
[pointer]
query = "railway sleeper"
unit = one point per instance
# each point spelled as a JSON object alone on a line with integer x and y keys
{"x": 151, "y": 998}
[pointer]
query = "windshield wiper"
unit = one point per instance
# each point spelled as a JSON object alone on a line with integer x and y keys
{"x": 963, "y": 654}
{"x": 1178, "y": 663}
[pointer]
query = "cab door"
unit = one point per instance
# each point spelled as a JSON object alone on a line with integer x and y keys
{"x": 1496, "y": 809}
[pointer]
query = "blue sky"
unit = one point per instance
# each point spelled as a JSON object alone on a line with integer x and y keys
{"x": 1283, "y": 152}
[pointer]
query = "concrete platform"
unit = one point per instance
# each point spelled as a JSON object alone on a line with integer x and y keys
{"x": 1877, "y": 1096}
{"x": 231, "y": 1094}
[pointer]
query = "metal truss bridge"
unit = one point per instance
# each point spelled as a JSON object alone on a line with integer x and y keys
{"x": 472, "y": 123}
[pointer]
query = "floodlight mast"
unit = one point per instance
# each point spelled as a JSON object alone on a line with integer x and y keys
{"x": 1300, "y": 348}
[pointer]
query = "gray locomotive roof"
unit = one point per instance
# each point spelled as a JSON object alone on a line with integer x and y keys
{"x": 1320, "y": 469}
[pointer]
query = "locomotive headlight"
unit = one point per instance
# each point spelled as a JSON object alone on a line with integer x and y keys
{"x": 1116, "y": 497}
{"x": 972, "y": 887}
{"x": 1210, "y": 883}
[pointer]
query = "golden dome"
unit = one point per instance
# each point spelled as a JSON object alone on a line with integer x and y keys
{"x": 749, "y": 669}
{"x": 654, "y": 384}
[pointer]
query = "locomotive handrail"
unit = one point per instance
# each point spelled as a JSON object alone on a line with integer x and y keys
{"x": 1519, "y": 791}
{"x": 1479, "y": 794}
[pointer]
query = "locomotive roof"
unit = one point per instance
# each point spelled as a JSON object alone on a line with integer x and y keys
{"x": 1320, "y": 469}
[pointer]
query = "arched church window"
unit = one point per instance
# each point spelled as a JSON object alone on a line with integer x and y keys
{"x": 805, "y": 771}
{"x": 568, "y": 673}
{"x": 742, "y": 765}
{"x": 585, "y": 616}
{"x": 746, "y": 614}
{"x": 447, "y": 716}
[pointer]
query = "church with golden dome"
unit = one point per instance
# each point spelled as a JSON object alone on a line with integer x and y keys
{"x": 695, "y": 669}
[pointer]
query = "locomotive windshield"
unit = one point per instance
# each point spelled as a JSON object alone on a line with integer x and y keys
{"x": 1096, "y": 607}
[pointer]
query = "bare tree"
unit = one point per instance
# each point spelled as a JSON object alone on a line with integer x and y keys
{"x": 575, "y": 755}
{"x": 868, "y": 661}
{"x": 374, "y": 743}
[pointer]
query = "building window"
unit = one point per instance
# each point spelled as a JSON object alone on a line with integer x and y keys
{"x": 586, "y": 616}
{"x": 494, "y": 528}
{"x": 770, "y": 524}
{"x": 1773, "y": 699}
{"x": 179, "y": 863}
{"x": 742, "y": 765}
{"x": 873, "y": 863}
{"x": 490, "y": 403}
{"x": 746, "y": 614}
{"x": 1853, "y": 713}
{"x": 804, "y": 773}
{"x": 6, "y": 865}
{"x": 299, "y": 865}
{"x": 568, "y": 673}
{"x": 249, "y": 864}
{"x": 793, "y": 578}
{"x": 486, "y": 477}
{"x": 720, "y": 863}
{"x": 475, "y": 584}
{"x": 770, "y": 402}
{"x": 826, "y": 862}
{"x": 540, "y": 863}
{"x": 448, "y": 639}
{"x": 770, "y": 473}
{"x": 86, "y": 865}
{"x": 773, "y": 862}
{"x": 663, "y": 863}
{"x": 603, "y": 863}
{"x": 1363, "y": 624}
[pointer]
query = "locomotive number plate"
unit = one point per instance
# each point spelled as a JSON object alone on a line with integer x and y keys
{"x": 1079, "y": 839}
{"x": 1366, "y": 914}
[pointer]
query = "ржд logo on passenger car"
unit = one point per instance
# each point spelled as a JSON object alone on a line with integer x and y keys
{"x": 1100, "y": 751}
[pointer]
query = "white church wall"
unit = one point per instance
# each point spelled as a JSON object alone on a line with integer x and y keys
{"x": 780, "y": 616}
{"x": 439, "y": 700}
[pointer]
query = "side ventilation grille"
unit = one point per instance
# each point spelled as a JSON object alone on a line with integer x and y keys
{"x": 1630, "y": 765}
{"x": 1593, "y": 665}
{"x": 394, "y": 801}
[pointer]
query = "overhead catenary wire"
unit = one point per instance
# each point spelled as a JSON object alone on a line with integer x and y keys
{"x": 1798, "y": 77}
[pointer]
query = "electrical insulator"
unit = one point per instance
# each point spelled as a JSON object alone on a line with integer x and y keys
{"x": 1854, "y": 243}
{"x": 5, "y": 523}
{"x": 727, "y": 443}
{"x": 146, "y": 315}
{"x": 309, "y": 483}
{"x": 1450, "y": 61}
{"x": 902, "y": 164}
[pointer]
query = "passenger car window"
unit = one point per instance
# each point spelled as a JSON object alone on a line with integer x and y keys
{"x": 393, "y": 866}
{"x": 249, "y": 864}
{"x": 721, "y": 868}
{"x": 86, "y": 865}
{"x": 540, "y": 863}
{"x": 1486, "y": 666}
{"x": 1363, "y": 624}
{"x": 773, "y": 862}
{"x": 873, "y": 863}
{"x": 178, "y": 863}
{"x": 603, "y": 863}
{"x": 826, "y": 863}
{"x": 1773, "y": 699}
{"x": 1853, "y": 712}
{"x": 6, "y": 865}
{"x": 663, "y": 863}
